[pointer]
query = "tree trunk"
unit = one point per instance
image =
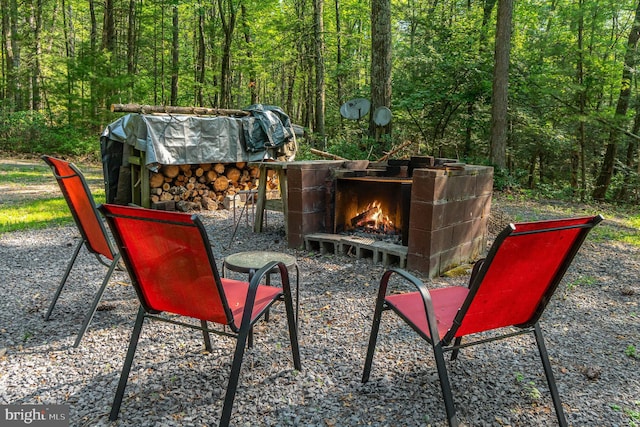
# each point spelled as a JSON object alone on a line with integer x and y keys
{"x": 228, "y": 21}
{"x": 578, "y": 152}
{"x": 500, "y": 102}
{"x": 108, "y": 45}
{"x": 253, "y": 90}
{"x": 67, "y": 28}
{"x": 175, "y": 56}
{"x": 606, "y": 171}
{"x": 487, "y": 10}
{"x": 200, "y": 60}
{"x": 131, "y": 46}
{"x": 36, "y": 96}
{"x": 13, "y": 55}
{"x": 93, "y": 46}
{"x": 339, "y": 76}
{"x": 318, "y": 7}
{"x": 380, "y": 64}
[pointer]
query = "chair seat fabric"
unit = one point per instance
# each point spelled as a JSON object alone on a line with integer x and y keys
{"x": 236, "y": 292}
{"x": 446, "y": 302}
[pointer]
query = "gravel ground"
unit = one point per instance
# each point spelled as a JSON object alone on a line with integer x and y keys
{"x": 591, "y": 327}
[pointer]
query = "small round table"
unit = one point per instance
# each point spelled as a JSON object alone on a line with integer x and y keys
{"x": 252, "y": 261}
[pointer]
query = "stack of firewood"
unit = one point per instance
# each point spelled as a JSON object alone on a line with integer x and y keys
{"x": 207, "y": 186}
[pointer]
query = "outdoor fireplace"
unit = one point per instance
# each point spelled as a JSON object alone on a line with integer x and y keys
{"x": 441, "y": 211}
{"x": 374, "y": 205}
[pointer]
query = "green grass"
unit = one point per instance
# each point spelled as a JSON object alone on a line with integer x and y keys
{"x": 36, "y": 213}
{"x": 24, "y": 176}
{"x": 627, "y": 230}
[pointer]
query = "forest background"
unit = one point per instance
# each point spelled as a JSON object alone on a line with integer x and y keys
{"x": 571, "y": 101}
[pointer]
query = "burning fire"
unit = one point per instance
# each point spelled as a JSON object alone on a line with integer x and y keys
{"x": 373, "y": 219}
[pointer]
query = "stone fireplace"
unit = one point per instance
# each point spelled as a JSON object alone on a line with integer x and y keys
{"x": 440, "y": 212}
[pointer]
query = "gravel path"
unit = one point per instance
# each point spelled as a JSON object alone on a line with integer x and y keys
{"x": 590, "y": 326}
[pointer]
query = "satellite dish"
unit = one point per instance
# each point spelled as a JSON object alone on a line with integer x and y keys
{"x": 382, "y": 116}
{"x": 355, "y": 109}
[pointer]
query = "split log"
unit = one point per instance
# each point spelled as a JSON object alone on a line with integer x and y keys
{"x": 221, "y": 183}
{"x": 156, "y": 180}
{"x": 366, "y": 217}
{"x": 170, "y": 171}
{"x": 233, "y": 174}
{"x": 219, "y": 168}
{"x": 211, "y": 176}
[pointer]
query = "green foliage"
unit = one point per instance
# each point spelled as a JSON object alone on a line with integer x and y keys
{"x": 355, "y": 145}
{"x": 442, "y": 80}
{"x": 31, "y": 132}
{"x": 504, "y": 179}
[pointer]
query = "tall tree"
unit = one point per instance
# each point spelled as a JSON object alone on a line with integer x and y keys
{"x": 13, "y": 55}
{"x": 131, "y": 45}
{"x": 201, "y": 50}
{"x": 500, "y": 100}
{"x": 339, "y": 77}
{"x": 228, "y": 14}
{"x": 175, "y": 55}
{"x": 318, "y": 10}
{"x": 36, "y": 72}
{"x": 630, "y": 60}
{"x": 380, "y": 63}
{"x": 253, "y": 89}
{"x": 578, "y": 153}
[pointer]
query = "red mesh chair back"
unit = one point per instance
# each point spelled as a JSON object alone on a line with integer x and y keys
{"x": 92, "y": 230}
{"x": 171, "y": 264}
{"x": 520, "y": 274}
{"x": 82, "y": 206}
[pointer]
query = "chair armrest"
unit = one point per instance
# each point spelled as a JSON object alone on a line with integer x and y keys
{"x": 424, "y": 293}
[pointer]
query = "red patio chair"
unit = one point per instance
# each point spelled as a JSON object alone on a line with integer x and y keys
{"x": 92, "y": 231}
{"x": 173, "y": 270}
{"x": 510, "y": 289}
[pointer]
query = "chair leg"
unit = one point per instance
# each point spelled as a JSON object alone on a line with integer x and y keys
{"x": 96, "y": 301}
{"x": 64, "y": 279}
{"x": 454, "y": 353}
{"x": 373, "y": 337}
{"x": 555, "y": 396}
{"x": 292, "y": 322}
{"x": 124, "y": 375}
{"x": 230, "y": 395}
{"x": 207, "y": 338}
{"x": 445, "y": 385}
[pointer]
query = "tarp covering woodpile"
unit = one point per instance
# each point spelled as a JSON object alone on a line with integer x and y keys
{"x": 191, "y": 136}
{"x": 176, "y": 139}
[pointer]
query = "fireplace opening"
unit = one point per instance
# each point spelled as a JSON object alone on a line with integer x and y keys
{"x": 375, "y": 206}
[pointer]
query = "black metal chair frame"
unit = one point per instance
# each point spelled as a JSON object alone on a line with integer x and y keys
{"x": 449, "y": 342}
{"x": 85, "y": 241}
